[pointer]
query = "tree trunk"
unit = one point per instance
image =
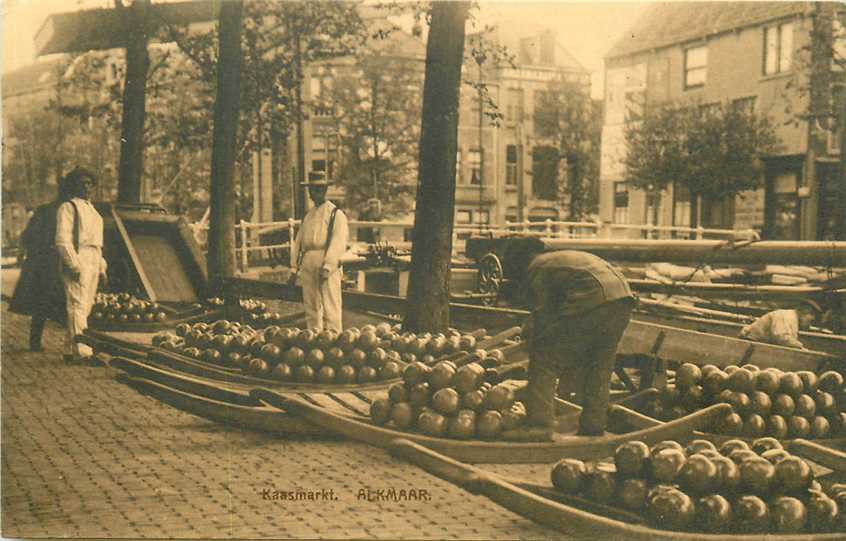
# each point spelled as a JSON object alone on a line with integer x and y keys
{"x": 428, "y": 288}
{"x": 221, "y": 245}
{"x": 131, "y": 165}
{"x": 840, "y": 211}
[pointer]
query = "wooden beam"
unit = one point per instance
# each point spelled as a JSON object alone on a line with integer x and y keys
{"x": 732, "y": 291}
{"x": 821, "y": 253}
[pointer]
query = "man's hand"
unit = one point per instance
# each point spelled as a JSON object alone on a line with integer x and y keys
{"x": 324, "y": 274}
{"x": 104, "y": 280}
{"x": 292, "y": 279}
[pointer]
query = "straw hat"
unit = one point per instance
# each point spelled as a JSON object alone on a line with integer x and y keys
{"x": 316, "y": 178}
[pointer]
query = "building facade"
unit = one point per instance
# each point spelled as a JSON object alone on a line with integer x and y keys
{"x": 497, "y": 177}
{"x": 745, "y": 53}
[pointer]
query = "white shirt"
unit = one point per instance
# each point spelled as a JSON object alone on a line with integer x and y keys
{"x": 779, "y": 327}
{"x": 90, "y": 231}
{"x": 315, "y": 226}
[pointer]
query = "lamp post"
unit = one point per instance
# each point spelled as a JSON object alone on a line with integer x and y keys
{"x": 480, "y": 58}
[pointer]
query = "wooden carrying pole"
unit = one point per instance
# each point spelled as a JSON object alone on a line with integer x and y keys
{"x": 821, "y": 253}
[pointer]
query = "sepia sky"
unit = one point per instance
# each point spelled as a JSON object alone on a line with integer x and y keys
{"x": 586, "y": 29}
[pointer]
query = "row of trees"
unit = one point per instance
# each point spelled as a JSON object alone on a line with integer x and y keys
{"x": 713, "y": 151}
{"x": 372, "y": 105}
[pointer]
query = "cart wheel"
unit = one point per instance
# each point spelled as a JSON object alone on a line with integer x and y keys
{"x": 490, "y": 278}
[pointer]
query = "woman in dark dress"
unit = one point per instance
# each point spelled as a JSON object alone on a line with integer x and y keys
{"x": 39, "y": 292}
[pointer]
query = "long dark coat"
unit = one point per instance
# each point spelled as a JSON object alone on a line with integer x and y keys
{"x": 39, "y": 291}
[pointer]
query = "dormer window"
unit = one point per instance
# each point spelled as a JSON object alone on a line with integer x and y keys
{"x": 695, "y": 66}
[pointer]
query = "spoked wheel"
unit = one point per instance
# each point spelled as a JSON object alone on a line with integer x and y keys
{"x": 491, "y": 278}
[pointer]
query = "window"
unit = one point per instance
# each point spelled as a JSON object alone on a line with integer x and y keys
{"x": 681, "y": 206}
{"x": 635, "y": 104}
{"x": 708, "y": 109}
{"x": 778, "y": 48}
{"x": 463, "y": 216}
{"x": 621, "y": 202}
{"x": 327, "y": 167}
{"x": 514, "y": 110}
{"x": 546, "y": 113}
{"x": 511, "y": 165}
{"x": 785, "y": 207}
{"x": 744, "y": 105}
{"x": 653, "y": 209}
{"x": 475, "y": 166}
{"x": 838, "y": 32}
{"x": 545, "y": 173}
{"x": 483, "y": 217}
{"x": 695, "y": 66}
{"x": 718, "y": 213}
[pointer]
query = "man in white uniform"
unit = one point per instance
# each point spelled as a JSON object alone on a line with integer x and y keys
{"x": 79, "y": 241}
{"x": 781, "y": 327}
{"x": 319, "y": 247}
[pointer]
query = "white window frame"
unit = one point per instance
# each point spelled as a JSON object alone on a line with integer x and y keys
{"x": 778, "y": 48}
{"x": 695, "y": 66}
{"x": 621, "y": 213}
{"x": 511, "y": 167}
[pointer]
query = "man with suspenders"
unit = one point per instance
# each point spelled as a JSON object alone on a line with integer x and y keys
{"x": 79, "y": 241}
{"x": 321, "y": 241}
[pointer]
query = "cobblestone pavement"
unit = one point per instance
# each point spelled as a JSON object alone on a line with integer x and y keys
{"x": 85, "y": 456}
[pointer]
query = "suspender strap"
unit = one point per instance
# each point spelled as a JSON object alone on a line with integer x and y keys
{"x": 330, "y": 231}
{"x": 329, "y": 234}
{"x": 75, "y": 226}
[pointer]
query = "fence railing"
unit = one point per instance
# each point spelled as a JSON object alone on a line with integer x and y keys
{"x": 256, "y": 237}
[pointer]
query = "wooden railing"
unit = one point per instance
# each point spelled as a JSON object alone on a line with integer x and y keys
{"x": 251, "y": 236}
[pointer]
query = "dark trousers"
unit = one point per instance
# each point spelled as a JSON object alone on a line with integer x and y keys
{"x": 578, "y": 353}
{"x": 36, "y": 329}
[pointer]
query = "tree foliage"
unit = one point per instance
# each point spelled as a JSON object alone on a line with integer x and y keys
{"x": 376, "y": 107}
{"x": 573, "y": 120}
{"x": 712, "y": 151}
{"x": 271, "y": 69}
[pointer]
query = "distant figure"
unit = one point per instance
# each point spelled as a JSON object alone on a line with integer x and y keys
{"x": 79, "y": 241}
{"x": 581, "y": 306}
{"x": 321, "y": 241}
{"x": 781, "y": 327}
{"x": 373, "y": 213}
{"x": 39, "y": 292}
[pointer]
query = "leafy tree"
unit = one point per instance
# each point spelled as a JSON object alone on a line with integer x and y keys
{"x": 818, "y": 80}
{"x": 279, "y": 40}
{"x": 712, "y": 151}
{"x": 376, "y": 109}
{"x": 431, "y": 253}
{"x": 571, "y": 119}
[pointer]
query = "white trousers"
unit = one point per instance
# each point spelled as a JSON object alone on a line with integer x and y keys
{"x": 322, "y": 300}
{"x": 80, "y": 296}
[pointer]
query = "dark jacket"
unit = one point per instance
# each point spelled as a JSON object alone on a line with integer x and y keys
{"x": 568, "y": 283}
{"x": 39, "y": 291}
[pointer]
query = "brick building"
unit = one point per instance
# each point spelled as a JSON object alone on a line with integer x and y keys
{"x": 745, "y": 53}
{"x": 498, "y": 176}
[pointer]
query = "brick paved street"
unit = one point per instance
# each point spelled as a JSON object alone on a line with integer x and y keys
{"x": 85, "y": 456}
